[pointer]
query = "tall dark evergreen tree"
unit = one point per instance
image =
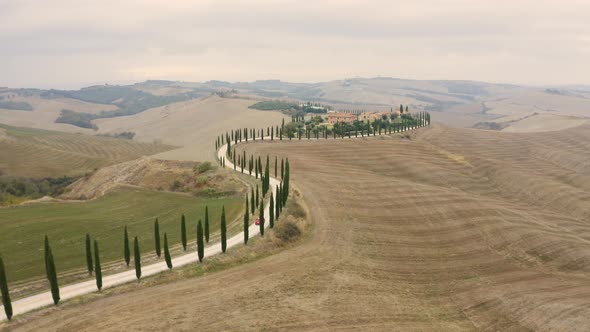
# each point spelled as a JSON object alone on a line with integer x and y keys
{"x": 286, "y": 183}
{"x": 277, "y": 204}
{"x": 276, "y": 166}
{"x": 157, "y": 238}
{"x": 97, "y": 267}
{"x": 6, "y": 302}
{"x": 137, "y": 258}
{"x": 46, "y": 255}
{"x": 223, "y": 230}
{"x": 206, "y": 223}
{"x": 261, "y": 218}
{"x": 246, "y": 222}
{"x": 126, "y": 253}
{"x": 200, "y": 243}
{"x": 252, "y": 202}
{"x": 52, "y": 272}
{"x": 257, "y": 195}
{"x": 183, "y": 231}
{"x": 167, "y": 252}
{"x": 282, "y": 168}
{"x": 88, "y": 255}
{"x": 271, "y": 214}
{"x": 266, "y": 180}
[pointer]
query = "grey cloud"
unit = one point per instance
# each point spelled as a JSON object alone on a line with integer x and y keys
{"x": 292, "y": 40}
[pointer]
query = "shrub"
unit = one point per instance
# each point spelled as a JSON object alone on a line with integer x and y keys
{"x": 204, "y": 167}
{"x": 286, "y": 231}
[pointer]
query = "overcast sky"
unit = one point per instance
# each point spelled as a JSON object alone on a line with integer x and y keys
{"x": 71, "y": 43}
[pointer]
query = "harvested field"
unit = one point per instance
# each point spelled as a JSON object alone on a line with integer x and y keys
{"x": 44, "y": 153}
{"x": 443, "y": 230}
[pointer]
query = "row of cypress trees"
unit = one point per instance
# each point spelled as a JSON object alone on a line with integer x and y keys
{"x": 93, "y": 264}
{"x": 419, "y": 119}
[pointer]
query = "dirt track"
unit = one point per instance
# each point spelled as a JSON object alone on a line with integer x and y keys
{"x": 451, "y": 230}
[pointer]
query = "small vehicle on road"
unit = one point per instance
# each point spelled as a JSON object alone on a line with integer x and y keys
{"x": 257, "y": 222}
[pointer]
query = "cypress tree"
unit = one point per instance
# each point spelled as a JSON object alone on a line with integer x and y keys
{"x": 252, "y": 206}
{"x": 271, "y": 214}
{"x": 88, "y": 255}
{"x": 97, "y": 267}
{"x": 206, "y": 223}
{"x": 276, "y": 166}
{"x": 183, "y": 231}
{"x": 261, "y": 218}
{"x": 157, "y": 238}
{"x": 137, "y": 258}
{"x": 46, "y": 255}
{"x": 126, "y": 253}
{"x": 277, "y": 203}
{"x": 286, "y": 183}
{"x": 200, "y": 244}
{"x": 223, "y": 230}
{"x": 246, "y": 222}
{"x": 52, "y": 272}
{"x": 6, "y": 302}
{"x": 167, "y": 252}
{"x": 266, "y": 182}
{"x": 257, "y": 198}
{"x": 282, "y": 168}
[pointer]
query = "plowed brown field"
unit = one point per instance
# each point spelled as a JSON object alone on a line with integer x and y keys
{"x": 453, "y": 229}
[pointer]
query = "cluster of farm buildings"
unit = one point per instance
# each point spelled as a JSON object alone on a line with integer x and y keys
{"x": 336, "y": 117}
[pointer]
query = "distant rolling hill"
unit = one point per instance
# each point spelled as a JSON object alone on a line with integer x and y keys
{"x": 43, "y": 153}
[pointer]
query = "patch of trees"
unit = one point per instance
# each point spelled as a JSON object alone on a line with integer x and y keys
{"x": 11, "y": 187}
{"x": 16, "y": 105}
{"x": 274, "y": 105}
{"x": 122, "y": 135}
{"x": 78, "y": 119}
{"x": 280, "y": 105}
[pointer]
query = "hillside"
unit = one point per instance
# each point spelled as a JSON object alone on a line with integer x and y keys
{"x": 45, "y": 111}
{"x": 42, "y": 153}
{"x": 193, "y": 124}
{"x": 447, "y": 229}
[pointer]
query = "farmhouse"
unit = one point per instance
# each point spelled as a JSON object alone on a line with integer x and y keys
{"x": 341, "y": 117}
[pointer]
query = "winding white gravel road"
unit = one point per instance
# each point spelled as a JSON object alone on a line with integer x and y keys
{"x": 70, "y": 291}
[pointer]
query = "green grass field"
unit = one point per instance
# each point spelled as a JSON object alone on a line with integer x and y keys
{"x": 22, "y": 228}
{"x": 43, "y": 153}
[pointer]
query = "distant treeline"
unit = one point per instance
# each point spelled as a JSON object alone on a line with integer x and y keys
{"x": 279, "y": 105}
{"x": 19, "y": 187}
{"x": 16, "y": 105}
{"x": 83, "y": 120}
{"x": 123, "y": 135}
